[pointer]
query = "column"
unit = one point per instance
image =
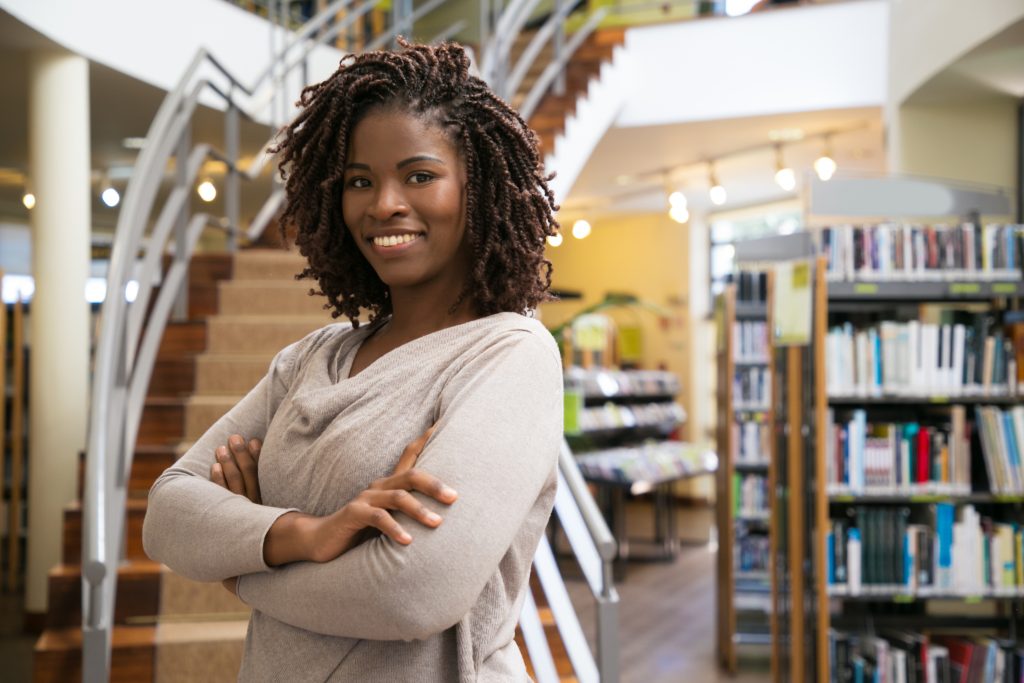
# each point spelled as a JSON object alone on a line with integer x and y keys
{"x": 59, "y": 165}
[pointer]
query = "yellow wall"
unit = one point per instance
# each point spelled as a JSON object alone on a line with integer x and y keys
{"x": 972, "y": 141}
{"x": 645, "y": 255}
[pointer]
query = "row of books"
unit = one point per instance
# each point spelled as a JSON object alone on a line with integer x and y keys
{"x": 1002, "y": 444}
{"x": 752, "y": 553}
{"x": 751, "y": 341}
{"x": 894, "y": 251}
{"x": 615, "y": 416}
{"x": 604, "y": 383}
{"x": 750, "y": 495}
{"x": 890, "y": 458}
{"x": 936, "y": 552}
{"x": 751, "y": 442}
{"x": 971, "y": 357}
{"x": 751, "y": 286}
{"x": 649, "y": 462}
{"x": 751, "y": 386}
{"x": 915, "y": 657}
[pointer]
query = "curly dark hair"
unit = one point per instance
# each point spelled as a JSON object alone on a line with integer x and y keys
{"x": 509, "y": 206}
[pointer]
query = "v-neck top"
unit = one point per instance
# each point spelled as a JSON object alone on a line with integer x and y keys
{"x": 443, "y": 608}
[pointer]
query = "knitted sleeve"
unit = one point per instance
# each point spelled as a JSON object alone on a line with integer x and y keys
{"x": 199, "y": 529}
{"x": 496, "y": 443}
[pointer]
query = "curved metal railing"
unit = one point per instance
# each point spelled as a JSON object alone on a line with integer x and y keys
{"x": 142, "y": 297}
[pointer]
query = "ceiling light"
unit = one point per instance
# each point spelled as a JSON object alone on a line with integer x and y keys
{"x": 110, "y": 197}
{"x": 679, "y": 214}
{"x": 207, "y": 191}
{"x": 133, "y": 143}
{"x": 29, "y": 200}
{"x": 677, "y": 198}
{"x": 786, "y": 134}
{"x": 555, "y": 240}
{"x": 717, "y": 192}
{"x": 784, "y": 176}
{"x": 825, "y": 166}
{"x": 580, "y": 229}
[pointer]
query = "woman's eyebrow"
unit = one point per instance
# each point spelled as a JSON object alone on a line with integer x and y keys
{"x": 417, "y": 158}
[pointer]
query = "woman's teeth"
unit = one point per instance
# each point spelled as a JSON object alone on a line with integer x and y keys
{"x": 393, "y": 240}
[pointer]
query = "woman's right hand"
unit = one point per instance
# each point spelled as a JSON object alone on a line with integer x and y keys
{"x": 298, "y": 537}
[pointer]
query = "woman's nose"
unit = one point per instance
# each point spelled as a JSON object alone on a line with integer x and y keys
{"x": 389, "y": 201}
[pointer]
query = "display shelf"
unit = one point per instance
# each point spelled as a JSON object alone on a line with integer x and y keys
{"x": 748, "y": 310}
{"x": 899, "y": 596}
{"x": 752, "y": 465}
{"x": 924, "y": 498}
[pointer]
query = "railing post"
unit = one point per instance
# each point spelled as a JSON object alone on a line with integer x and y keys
{"x": 232, "y": 187}
{"x": 608, "y": 628}
{"x": 559, "y": 87}
{"x": 180, "y": 311}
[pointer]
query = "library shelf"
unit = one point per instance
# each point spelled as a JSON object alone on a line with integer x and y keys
{"x": 746, "y": 585}
{"x": 925, "y": 498}
{"x": 938, "y": 399}
{"x": 916, "y": 291}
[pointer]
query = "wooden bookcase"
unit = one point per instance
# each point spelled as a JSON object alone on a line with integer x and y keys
{"x": 807, "y": 610}
{"x": 740, "y": 624}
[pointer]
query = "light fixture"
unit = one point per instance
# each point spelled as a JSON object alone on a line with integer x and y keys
{"x": 555, "y": 240}
{"x": 717, "y": 192}
{"x": 133, "y": 143}
{"x": 207, "y": 191}
{"x": 580, "y": 229}
{"x": 784, "y": 175}
{"x": 677, "y": 198}
{"x": 679, "y": 214}
{"x": 825, "y": 166}
{"x": 29, "y": 200}
{"x": 110, "y": 196}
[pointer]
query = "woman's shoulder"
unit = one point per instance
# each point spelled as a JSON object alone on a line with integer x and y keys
{"x": 515, "y": 334}
{"x": 329, "y": 338}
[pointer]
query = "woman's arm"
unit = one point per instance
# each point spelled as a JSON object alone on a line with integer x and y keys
{"x": 199, "y": 529}
{"x": 496, "y": 443}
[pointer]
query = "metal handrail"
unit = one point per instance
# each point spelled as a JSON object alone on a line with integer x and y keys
{"x": 130, "y": 333}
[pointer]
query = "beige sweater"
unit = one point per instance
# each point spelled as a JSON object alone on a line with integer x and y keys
{"x": 443, "y": 608}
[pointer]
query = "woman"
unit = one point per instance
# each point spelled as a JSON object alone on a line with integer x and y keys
{"x": 420, "y": 197}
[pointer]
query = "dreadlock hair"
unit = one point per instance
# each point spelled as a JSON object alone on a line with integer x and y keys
{"x": 509, "y": 206}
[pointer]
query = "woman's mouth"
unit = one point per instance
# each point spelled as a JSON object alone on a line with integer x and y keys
{"x": 390, "y": 241}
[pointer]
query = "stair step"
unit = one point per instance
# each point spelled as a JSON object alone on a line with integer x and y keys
{"x": 148, "y": 462}
{"x": 268, "y": 264}
{"x": 72, "y": 541}
{"x": 183, "y": 337}
{"x": 199, "y": 650}
{"x": 267, "y": 297}
{"x": 253, "y": 334}
{"x": 138, "y": 593}
{"x": 58, "y": 655}
{"x": 163, "y": 420}
{"x": 229, "y": 374}
{"x": 202, "y": 411}
{"x": 183, "y": 600}
{"x": 173, "y": 375}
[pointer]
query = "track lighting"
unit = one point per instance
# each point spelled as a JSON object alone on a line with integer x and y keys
{"x": 580, "y": 229}
{"x": 29, "y": 200}
{"x": 784, "y": 175}
{"x": 555, "y": 240}
{"x": 717, "y": 192}
{"x": 825, "y": 166}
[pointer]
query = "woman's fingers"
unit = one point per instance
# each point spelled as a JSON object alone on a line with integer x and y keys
{"x": 232, "y": 475}
{"x": 428, "y": 484}
{"x": 412, "y": 451}
{"x": 217, "y": 475}
{"x": 366, "y": 515}
{"x": 246, "y": 465}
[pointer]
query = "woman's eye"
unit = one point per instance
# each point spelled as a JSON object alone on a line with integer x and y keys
{"x": 420, "y": 177}
{"x": 358, "y": 183}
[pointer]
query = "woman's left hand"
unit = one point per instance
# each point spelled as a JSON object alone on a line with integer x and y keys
{"x": 236, "y": 467}
{"x": 236, "y": 470}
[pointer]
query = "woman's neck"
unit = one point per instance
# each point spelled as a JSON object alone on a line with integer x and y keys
{"x": 414, "y": 315}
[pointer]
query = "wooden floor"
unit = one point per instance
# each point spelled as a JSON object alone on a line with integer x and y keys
{"x": 667, "y": 611}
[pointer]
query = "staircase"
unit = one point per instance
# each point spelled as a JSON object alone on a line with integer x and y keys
{"x": 170, "y": 629}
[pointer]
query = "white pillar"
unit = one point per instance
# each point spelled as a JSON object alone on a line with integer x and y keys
{"x": 60, "y": 169}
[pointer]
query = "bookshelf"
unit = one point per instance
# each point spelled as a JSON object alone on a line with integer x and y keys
{"x": 746, "y": 474}
{"x": 913, "y": 485}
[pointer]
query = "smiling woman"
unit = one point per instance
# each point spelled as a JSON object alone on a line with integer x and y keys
{"x": 378, "y": 497}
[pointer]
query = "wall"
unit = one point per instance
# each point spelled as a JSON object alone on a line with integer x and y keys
{"x": 969, "y": 141}
{"x": 796, "y": 59}
{"x": 928, "y": 35}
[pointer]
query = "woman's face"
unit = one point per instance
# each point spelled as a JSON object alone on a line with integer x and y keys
{"x": 404, "y": 202}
